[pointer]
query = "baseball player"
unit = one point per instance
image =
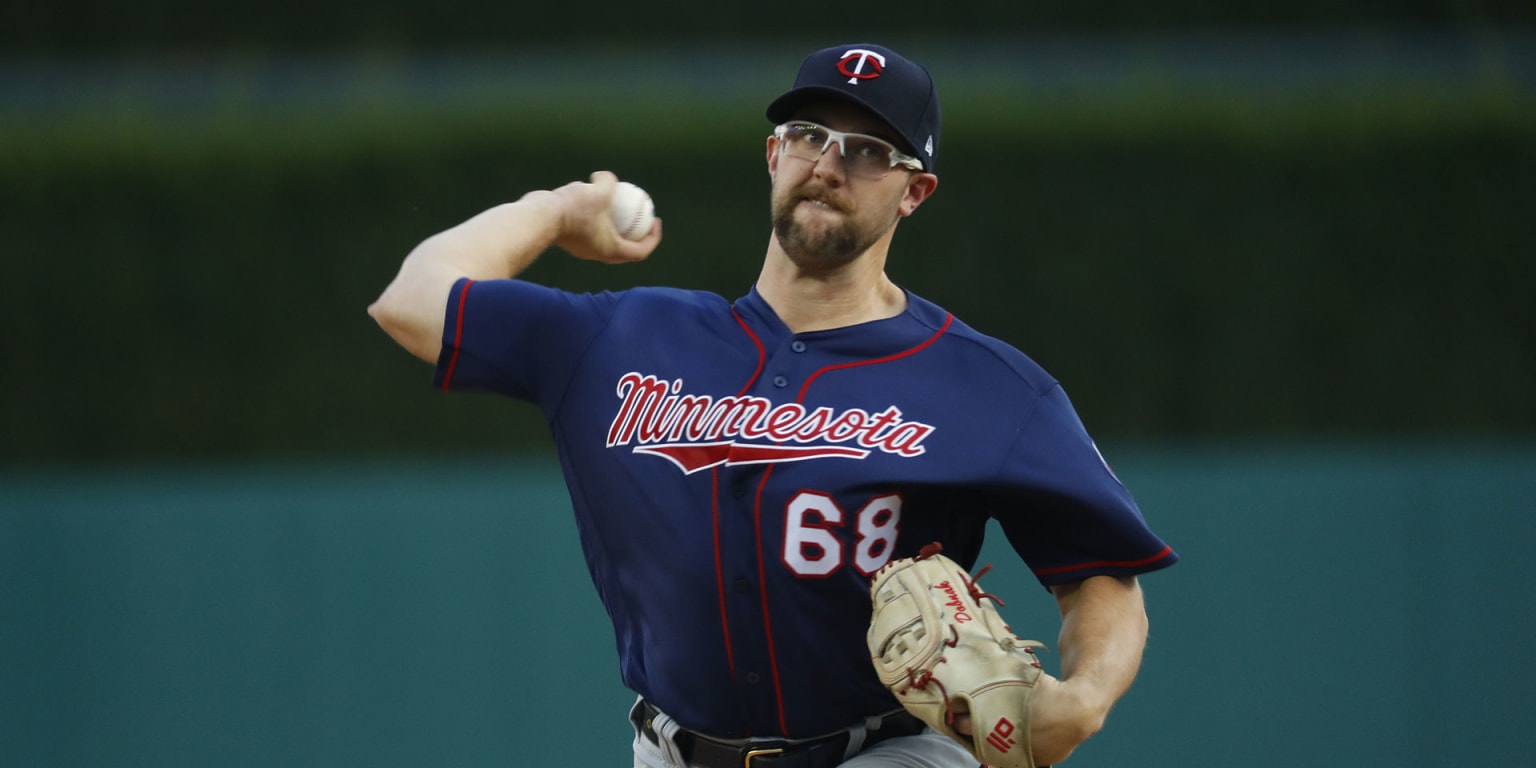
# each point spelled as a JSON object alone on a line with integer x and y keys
{"x": 739, "y": 470}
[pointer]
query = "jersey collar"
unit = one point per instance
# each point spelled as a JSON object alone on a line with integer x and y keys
{"x": 877, "y": 338}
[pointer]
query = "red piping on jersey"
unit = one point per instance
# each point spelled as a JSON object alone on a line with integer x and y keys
{"x": 458, "y": 335}
{"x": 948, "y": 319}
{"x": 757, "y": 509}
{"x": 762, "y": 580}
{"x": 762, "y": 354}
{"x": 1106, "y": 564}
{"x": 725, "y": 622}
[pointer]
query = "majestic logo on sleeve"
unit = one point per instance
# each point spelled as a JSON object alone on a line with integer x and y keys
{"x": 697, "y": 432}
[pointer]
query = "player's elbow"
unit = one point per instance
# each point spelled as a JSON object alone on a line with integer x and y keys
{"x": 396, "y": 317}
{"x": 385, "y": 312}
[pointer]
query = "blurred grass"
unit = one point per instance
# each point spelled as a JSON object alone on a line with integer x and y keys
{"x": 139, "y": 135}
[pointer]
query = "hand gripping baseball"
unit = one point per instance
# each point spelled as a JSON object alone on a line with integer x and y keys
{"x": 587, "y": 228}
{"x": 939, "y": 644}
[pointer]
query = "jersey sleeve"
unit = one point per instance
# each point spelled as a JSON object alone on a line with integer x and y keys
{"x": 517, "y": 338}
{"x": 1065, "y": 512}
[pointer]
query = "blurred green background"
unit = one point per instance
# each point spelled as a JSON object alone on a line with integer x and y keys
{"x": 1279, "y": 254}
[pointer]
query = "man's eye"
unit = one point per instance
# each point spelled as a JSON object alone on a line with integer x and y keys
{"x": 870, "y": 150}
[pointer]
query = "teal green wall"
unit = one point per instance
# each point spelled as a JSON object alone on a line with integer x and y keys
{"x": 1339, "y": 604}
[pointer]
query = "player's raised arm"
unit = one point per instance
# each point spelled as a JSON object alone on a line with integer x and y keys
{"x": 500, "y": 243}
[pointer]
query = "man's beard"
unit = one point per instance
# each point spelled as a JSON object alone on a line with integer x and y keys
{"x": 826, "y": 248}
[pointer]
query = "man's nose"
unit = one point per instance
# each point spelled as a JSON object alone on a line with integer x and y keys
{"x": 836, "y": 166}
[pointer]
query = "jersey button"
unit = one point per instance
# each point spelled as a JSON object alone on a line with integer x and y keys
{"x": 797, "y": 345}
{"x": 742, "y": 585}
{"x": 780, "y": 382}
{"x": 739, "y": 487}
{"x": 754, "y": 678}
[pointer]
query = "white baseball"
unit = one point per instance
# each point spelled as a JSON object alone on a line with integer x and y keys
{"x": 632, "y": 211}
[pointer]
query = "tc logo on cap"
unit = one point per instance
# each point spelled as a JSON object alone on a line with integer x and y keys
{"x": 855, "y": 61}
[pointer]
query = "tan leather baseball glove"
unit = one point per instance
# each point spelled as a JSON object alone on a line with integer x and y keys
{"x": 939, "y": 644}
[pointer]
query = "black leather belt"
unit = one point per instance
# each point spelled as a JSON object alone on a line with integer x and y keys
{"x": 704, "y": 752}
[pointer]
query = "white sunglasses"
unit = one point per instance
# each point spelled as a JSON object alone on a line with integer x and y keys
{"x": 862, "y": 154}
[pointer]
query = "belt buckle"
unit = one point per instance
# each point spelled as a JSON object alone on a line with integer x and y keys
{"x": 746, "y": 760}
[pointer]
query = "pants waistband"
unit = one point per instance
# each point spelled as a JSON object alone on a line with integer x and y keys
{"x": 702, "y": 751}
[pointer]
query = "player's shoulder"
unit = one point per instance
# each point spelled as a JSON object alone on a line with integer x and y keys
{"x": 668, "y": 295}
{"x": 633, "y": 300}
{"x": 668, "y": 301}
{"x": 983, "y": 351}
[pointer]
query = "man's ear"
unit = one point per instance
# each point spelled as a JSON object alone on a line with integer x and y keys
{"x": 773, "y": 155}
{"x": 919, "y": 188}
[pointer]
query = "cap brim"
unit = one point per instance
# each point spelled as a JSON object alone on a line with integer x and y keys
{"x": 783, "y": 108}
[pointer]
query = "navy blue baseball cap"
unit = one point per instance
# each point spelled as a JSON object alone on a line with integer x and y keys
{"x": 886, "y": 83}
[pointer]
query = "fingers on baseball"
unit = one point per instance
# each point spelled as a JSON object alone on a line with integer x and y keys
{"x": 638, "y": 250}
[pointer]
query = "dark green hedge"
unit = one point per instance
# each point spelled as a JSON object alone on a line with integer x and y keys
{"x": 294, "y": 25}
{"x": 193, "y": 289}
{"x": 580, "y": 28}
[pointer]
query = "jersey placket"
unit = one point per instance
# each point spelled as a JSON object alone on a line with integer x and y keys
{"x": 751, "y": 521}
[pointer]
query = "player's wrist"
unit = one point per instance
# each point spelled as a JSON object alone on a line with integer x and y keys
{"x": 1086, "y": 703}
{"x": 1064, "y": 715}
{"x": 546, "y": 206}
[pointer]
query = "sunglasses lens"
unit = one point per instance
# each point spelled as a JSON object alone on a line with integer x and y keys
{"x": 862, "y": 155}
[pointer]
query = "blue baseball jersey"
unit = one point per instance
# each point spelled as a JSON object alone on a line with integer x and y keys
{"x": 736, "y": 485}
